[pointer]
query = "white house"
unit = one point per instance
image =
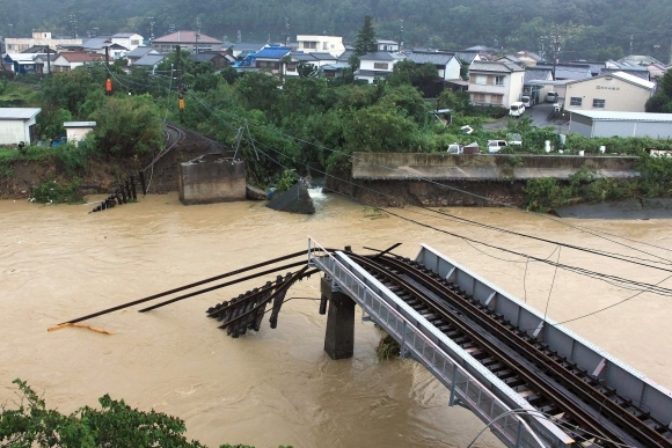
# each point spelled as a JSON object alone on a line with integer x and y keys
{"x": 447, "y": 65}
{"x": 320, "y": 44}
{"x": 17, "y": 124}
{"x": 128, "y": 40}
{"x": 498, "y": 83}
{"x": 71, "y": 60}
{"x": 39, "y": 38}
{"x": 387, "y": 45}
{"x": 378, "y": 65}
{"x": 76, "y": 131}
{"x": 617, "y": 91}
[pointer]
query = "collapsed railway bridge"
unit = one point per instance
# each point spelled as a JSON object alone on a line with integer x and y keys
{"x": 531, "y": 381}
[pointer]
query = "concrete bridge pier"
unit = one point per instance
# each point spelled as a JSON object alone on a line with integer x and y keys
{"x": 339, "y": 340}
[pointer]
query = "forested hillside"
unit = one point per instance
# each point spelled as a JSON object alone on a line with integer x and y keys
{"x": 592, "y": 29}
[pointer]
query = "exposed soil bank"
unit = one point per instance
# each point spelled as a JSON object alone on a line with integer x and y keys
{"x": 397, "y": 193}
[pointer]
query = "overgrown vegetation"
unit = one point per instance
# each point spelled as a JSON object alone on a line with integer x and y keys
{"x": 115, "y": 424}
{"x": 655, "y": 180}
{"x": 53, "y": 192}
{"x": 388, "y": 349}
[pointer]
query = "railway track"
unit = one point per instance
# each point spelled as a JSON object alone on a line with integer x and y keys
{"x": 589, "y": 411}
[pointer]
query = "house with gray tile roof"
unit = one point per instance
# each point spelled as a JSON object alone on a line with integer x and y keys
{"x": 377, "y": 65}
{"x": 496, "y": 83}
{"x": 447, "y": 65}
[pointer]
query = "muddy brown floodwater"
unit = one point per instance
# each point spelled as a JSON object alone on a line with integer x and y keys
{"x": 278, "y": 386}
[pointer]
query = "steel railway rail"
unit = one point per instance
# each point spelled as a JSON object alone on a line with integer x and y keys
{"x": 547, "y": 381}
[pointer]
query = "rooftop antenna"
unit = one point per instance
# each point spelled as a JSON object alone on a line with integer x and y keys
{"x": 239, "y": 36}
{"x": 152, "y": 22}
{"x": 198, "y": 32}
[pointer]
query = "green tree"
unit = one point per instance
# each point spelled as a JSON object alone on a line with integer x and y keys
{"x": 128, "y": 126}
{"x": 422, "y": 76}
{"x": 69, "y": 90}
{"x": 366, "y": 38}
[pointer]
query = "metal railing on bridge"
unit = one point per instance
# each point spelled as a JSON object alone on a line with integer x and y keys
{"x": 517, "y": 423}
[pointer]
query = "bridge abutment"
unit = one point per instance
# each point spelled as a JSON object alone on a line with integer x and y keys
{"x": 339, "y": 340}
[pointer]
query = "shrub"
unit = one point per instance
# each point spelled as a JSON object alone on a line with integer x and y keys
{"x": 54, "y": 193}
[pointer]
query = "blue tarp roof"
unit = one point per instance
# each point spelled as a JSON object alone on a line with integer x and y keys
{"x": 272, "y": 53}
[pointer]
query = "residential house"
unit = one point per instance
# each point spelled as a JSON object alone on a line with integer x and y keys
{"x": 131, "y": 41}
{"x": 320, "y": 44}
{"x": 446, "y": 64}
{"x": 191, "y": 41}
{"x": 569, "y": 71}
{"x": 388, "y": 45}
{"x": 316, "y": 59}
{"x": 218, "y": 59}
{"x": 133, "y": 55}
{"x": 17, "y": 125}
{"x": 103, "y": 46}
{"x": 495, "y": 83}
{"x": 528, "y": 58}
{"x": 275, "y": 60}
{"x": 67, "y": 61}
{"x": 378, "y": 65}
{"x": 149, "y": 61}
{"x": 240, "y": 50}
{"x": 21, "y": 63}
{"x": 618, "y": 91}
{"x": 19, "y": 44}
{"x": 601, "y": 123}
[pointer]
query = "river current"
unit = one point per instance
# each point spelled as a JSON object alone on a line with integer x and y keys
{"x": 278, "y": 386}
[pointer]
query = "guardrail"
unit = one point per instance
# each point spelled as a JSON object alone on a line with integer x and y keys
{"x": 430, "y": 347}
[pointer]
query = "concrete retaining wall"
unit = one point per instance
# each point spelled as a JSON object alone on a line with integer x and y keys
{"x": 484, "y": 167}
{"x": 212, "y": 178}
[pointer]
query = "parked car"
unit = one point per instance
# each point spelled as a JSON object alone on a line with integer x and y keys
{"x": 495, "y": 146}
{"x": 455, "y": 148}
{"x": 526, "y": 100}
{"x": 516, "y": 109}
{"x": 552, "y": 97}
{"x": 557, "y": 107}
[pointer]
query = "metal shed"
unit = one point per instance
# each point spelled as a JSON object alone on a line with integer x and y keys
{"x": 621, "y": 124}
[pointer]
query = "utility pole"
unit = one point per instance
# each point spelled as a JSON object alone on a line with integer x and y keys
{"x": 107, "y": 56}
{"x": 73, "y": 25}
{"x": 401, "y": 34}
{"x": 632, "y": 41}
{"x": 198, "y": 32}
{"x": 152, "y": 22}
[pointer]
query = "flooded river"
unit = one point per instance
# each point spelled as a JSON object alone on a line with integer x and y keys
{"x": 278, "y": 386}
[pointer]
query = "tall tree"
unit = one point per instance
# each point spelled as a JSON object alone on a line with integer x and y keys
{"x": 366, "y": 38}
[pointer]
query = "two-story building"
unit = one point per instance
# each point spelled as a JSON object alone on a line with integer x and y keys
{"x": 497, "y": 83}
{"x": 388, "y": 45}
{"x": 191, "y": 41}
{"x": 274, "y": 60}
{"x": 618, "y": 91}
{"x": 378, "y": 65}
{"x": 320, "y": 44}
{"x": 128, "y": 40}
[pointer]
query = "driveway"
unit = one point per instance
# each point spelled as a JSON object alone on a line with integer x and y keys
{"x": 540, "y": 113}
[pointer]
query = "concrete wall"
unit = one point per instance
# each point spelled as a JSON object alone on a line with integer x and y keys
{"x": 12, "y": 132}
{"x": 484, "y": 167}
{"x": 212, "y": 178}
{"x": 619, "y": 95}
{"x": 660, "y": 130}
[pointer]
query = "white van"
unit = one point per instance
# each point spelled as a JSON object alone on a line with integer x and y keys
{"x": 517, "y": 109}
{"x": 526, "y": 100}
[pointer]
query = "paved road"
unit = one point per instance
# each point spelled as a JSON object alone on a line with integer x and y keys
{"x": 540, "y": 117}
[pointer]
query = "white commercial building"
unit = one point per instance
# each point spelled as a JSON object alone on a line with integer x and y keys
{"x": 39, "y": 38}
{"x": 595, "y": 123}
{"x": 17, "y": 125}
{"x": 321, "y": 44}
{"x": 617, "y": 91}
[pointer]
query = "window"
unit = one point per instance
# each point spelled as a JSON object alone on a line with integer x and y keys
{"x": 310, "y": 45}
{"x": 380, "y": 65}
{"x": 496, "y": 99}
{"x": 598, "y": 103}
{"x": 499, "y": 80}
{"x": 577, "y": 101}
{"x": 480, "y": 80}
{"x": 135, "y": 42}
